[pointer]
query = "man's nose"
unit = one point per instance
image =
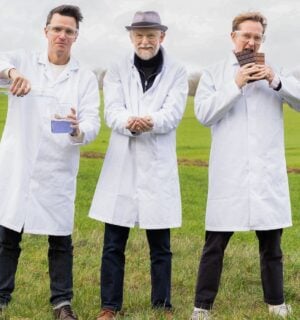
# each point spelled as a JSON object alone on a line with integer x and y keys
{"x": 251, "y": 42}
{"x": 62, "y": 34}
{"x": 144, "y": 39}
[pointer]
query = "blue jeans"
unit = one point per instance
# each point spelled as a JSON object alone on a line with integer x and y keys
{"x": 60, "y": 257}
{"x": 113, "y": 264}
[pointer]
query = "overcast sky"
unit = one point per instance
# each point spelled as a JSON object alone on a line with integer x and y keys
{"x": 198, "y": 35}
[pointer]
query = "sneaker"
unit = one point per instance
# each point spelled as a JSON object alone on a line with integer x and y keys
{"x": 64, "y": 313}
{"x": 201, "y": 314}
{"x": 281, "y": 310}
{"x": 2, "y": 308}
{"x": 107, "y": 314}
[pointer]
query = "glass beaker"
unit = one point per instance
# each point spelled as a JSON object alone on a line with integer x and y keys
{"x": 59, "y": 121}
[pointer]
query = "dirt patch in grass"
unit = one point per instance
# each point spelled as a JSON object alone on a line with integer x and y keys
{"x": 92, "y": 155}
{"x": 293, "y": 170}
{"x": 181, "y": 161}
{"x": 193, "y": 162}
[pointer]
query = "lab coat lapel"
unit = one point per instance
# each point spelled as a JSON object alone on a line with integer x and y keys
{"x": 136, "y": 90}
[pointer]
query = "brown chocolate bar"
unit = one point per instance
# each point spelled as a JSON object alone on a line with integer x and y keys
{"x": 245, "y": 57}
{"x": 259, "y": 58}
{"x": 248, "y": 56}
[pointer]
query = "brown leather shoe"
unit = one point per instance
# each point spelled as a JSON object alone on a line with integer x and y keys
{"x": 64, "y": 313}
{"x": 168, "y": 315}
{"x": 107, "y": 314}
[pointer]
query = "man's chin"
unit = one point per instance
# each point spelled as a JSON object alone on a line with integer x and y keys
{"x": 60, "y": 46}
{"x": 145, "y": 55}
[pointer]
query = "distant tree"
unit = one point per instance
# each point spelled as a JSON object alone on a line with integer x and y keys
{"x": 193, "y": 82}
{"x": 100, "y": 73}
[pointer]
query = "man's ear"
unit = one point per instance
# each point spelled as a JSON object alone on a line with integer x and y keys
{"x": 162, "y": 36}
{"x": 232, "y": 34}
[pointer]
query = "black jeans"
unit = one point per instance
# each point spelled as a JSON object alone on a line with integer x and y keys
{"x": 211, "y": 264}
{"x": 60, "y": 257}
{"x": 113, "y": 264}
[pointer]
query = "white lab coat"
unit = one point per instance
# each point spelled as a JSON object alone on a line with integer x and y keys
{"x": 139, "y": 182}
{"x": 248, "y": 185}
{"x": 38, "y": 168}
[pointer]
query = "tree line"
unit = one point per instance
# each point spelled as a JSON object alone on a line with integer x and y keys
{"x": 193, "y": 80}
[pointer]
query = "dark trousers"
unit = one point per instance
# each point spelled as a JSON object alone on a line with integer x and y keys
{"x": 60, "y": 257}
{"x": 113, "y": 264}
{"x": 211, "y": 264}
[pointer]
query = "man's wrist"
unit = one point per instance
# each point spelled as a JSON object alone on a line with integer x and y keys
{"x": 276, "y": 83}
{"x": 76, "y": 133}
{"x": 8, "y": 73}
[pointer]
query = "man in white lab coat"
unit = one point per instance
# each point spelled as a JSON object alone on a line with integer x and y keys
{"x": 38, "y": 168}
{"x": 248, "y": 186}
{"x": 145, "y": 95}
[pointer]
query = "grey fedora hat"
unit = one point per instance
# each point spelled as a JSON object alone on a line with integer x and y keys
{"x": 146, "y": 19}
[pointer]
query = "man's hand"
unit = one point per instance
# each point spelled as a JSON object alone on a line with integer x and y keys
{"x": 140, "y": 124}
{"x": 248, "y": 72}
{"x": 72, "y": 117}
{"x": 131, "y": 124}
{"x": 268, "y": 73}
{"x": 145, "y": 124}
{"x": 20, "y": 85}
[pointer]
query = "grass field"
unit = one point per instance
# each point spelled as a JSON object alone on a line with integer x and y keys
{"x": 240, "y": 295}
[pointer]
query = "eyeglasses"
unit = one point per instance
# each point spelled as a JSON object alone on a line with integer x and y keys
{"x": 57, "y": 30}
{"x": 245, "y": 36}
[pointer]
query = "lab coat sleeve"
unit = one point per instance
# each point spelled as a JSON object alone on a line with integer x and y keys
{"x": 212, "y": 104}
{"x": 3, "y": 74}
{"x": 116, "y": 113}
{"x": 290, "y": 90}
{"x": 88, "y": 111}
{"x": 8, "y": 60}
{"x": 171, "y": 112}
{"x": 4, "y": 82}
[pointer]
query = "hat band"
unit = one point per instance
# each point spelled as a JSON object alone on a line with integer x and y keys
{"x": 145, "y": 24}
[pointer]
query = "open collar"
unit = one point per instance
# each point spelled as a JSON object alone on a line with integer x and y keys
{"x": 71, "y": 66}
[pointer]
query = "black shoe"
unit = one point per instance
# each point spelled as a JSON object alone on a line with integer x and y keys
{"x": 64, "y": 313}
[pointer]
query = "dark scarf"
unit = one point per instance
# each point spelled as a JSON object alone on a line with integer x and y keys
{"x": 149, "y": 69}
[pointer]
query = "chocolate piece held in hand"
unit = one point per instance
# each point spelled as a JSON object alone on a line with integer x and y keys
{"x": 259, "y": 58}
{"x": 244, "y": 57}
{"x": 248, "y": 56}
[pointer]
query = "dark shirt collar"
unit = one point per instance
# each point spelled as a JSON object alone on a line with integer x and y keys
{"x": 156, "y": 62}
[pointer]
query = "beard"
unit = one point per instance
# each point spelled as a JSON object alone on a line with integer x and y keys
{"x": 147, "y": 54}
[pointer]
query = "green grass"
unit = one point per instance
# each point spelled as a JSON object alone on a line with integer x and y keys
{"x": 240, "y": 295}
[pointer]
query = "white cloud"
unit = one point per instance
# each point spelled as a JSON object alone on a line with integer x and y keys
{"x": 199, "y": 31}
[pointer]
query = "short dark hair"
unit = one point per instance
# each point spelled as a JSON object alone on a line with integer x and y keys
{"x": 251, "y": 15}
{"x": 66, "y": 10}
